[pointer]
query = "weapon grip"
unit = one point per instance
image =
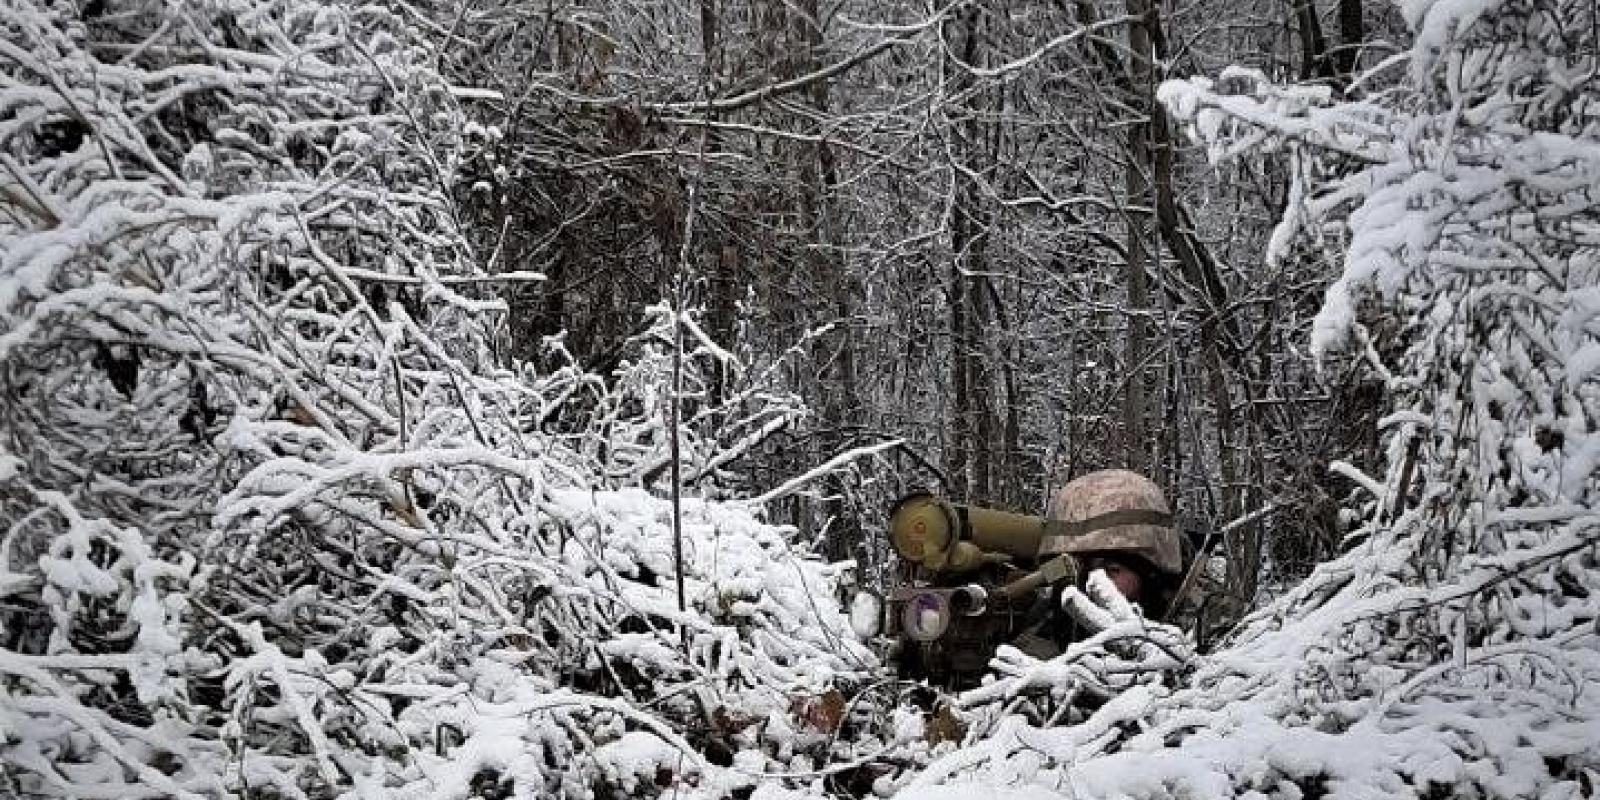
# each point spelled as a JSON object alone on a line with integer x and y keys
{"x": 1060, "y": 568}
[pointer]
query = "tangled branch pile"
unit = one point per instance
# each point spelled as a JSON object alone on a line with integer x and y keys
{"x": 276, "y": 520}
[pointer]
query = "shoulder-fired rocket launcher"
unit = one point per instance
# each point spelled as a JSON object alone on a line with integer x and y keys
{"x": 982, "y": 576}
{"x": 949, "y": 539}
{"x": 974, "y": 584}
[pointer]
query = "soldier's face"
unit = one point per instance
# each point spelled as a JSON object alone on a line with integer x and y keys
{"x": 1125, "y": 579}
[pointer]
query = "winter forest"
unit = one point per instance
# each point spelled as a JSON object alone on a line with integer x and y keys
{"x": 506, "y": 399}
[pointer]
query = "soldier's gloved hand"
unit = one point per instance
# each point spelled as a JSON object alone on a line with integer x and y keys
{"x": 1118, "y": 625}
{"x": 1098, "y": 605}
{"x": 1124, "y": 650}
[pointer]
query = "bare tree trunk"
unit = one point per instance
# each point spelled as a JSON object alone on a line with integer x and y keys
{"x": 723, "y": 266}
{"x": 841, "y": 413}
{"x": 1134, "y": 404}
{"x": 981, "y": 385}
{"x": 1352, "y": 31}
{"x": 1240, "y": 579}
{"x": 956, "y": 455}
{"x": 966, "y": 458}
{"x": 1313, "y": 45}
{"x": 1136, "y": 183}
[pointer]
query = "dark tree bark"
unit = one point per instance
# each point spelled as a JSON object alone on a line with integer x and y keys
{"x": 1352, "y": 34}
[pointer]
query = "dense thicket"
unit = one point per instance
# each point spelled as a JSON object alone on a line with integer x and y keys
{"x": 1454, "y": 650}
{"x": 277, "y": 519}
{"x": 974, "y": 220}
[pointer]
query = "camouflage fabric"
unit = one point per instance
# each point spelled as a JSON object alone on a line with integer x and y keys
{"x": 1104, "y": 492}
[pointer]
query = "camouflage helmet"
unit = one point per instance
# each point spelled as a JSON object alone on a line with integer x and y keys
{"x": 1124, "y": 512}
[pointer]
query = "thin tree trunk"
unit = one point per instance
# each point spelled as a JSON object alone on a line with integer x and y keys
{"x": 956, "y": 454}
{"x": 1135, "y": 409}
{"x": 964, "y": 458}
{"x": 1352, "y": 32}
{"x": 1240, "y": 578}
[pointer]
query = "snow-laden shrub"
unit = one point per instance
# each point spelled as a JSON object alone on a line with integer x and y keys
{"x": 1452, "y": 650}
{"x": 625, "y": 433}
{"x": 274, "y": 519}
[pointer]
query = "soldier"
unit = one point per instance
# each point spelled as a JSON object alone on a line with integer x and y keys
{"x": 980, "y": 578}
{"x": 1126, "y": 532}
{"x": 1143, "y": 556}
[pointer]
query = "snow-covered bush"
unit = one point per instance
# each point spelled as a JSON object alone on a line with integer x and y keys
{"x": 630, "y": 410}
{"x": 1453, "y": 649}
{"x": 276, "y": 520}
